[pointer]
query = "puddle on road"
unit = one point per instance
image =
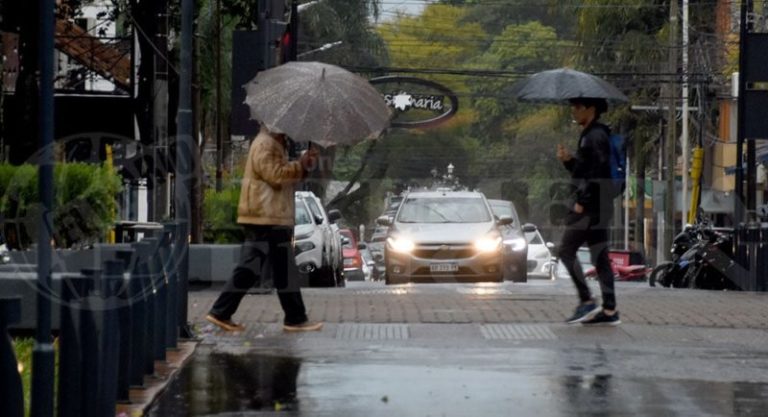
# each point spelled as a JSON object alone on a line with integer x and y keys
{"x": 257, "y": 385}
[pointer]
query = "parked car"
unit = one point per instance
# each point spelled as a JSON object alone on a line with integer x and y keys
{"x": 449, "y": 236}
{"x": 515, "y": 244}
{"x": 539, "y": 255}
{"x": 353, "y": 260}
{"x": 317, "y": 242}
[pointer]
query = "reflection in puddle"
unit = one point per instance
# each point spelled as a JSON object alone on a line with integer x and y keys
{"x": 257, "y": 385}
{"x": 216, "y": 383}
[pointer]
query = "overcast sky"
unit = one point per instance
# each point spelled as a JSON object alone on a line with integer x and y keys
{"x": 389, "y": 8}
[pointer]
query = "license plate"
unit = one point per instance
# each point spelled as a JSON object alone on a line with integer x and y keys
{"x": 444, "y": 267}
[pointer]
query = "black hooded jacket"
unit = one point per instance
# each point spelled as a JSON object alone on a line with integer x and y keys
{"x": 591, "y": 171}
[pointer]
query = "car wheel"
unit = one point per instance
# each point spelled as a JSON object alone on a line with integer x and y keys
{"x": 521, "y": 275}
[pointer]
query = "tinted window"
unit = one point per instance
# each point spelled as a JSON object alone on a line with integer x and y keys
{"x": 534, "y": 238}
{"x": 444, "y": 210}
{"x": 314, "y": 208}
{"x": 302, "y": 215}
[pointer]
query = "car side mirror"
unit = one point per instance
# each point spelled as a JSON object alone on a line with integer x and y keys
{"x": 505, "y": 221}
{"x": 550, "y": 245}
{"x": 361, "y": 246}
{"x": 318, "y": 220}
{"x": 344, "y": 240}
{"x": 384, "y": 221}
{"x": 334, "y": 215}
{"x": 529, "y": 228}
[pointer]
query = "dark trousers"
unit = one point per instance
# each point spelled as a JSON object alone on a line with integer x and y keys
{"x": 580, "y": 229}
{"x": 267, "y": 251}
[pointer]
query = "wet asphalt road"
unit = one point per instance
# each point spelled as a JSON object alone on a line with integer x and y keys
{"x": 448, "y": 370}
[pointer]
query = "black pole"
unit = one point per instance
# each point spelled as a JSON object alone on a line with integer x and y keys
{"x": 293, "y": 51}
{"x": 184, "y": 163}
{"x": 738, "y": 210}
{"x": 43, "y": 356}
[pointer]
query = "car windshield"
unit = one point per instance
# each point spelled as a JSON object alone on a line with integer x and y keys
{"x": 534, "y": 238}
{"x": 444, "y": 210}
{"x": 502, "y": 210}
{"x": 302, "y": 216}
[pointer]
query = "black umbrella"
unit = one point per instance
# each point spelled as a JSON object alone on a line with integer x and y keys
{"x": 559, "y": 85}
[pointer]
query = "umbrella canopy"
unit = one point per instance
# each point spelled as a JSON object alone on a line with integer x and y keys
{"x": 317, "y": 102}
{"x": 559, "y": 85}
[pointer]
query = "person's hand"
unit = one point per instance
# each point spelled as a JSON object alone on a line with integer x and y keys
{"x": 562, "y": 153}
{"x": 309, "y": 158}
{"x": 578, "y": 208}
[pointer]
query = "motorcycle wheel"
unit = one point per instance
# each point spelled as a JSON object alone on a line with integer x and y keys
{"x": 691, "y": 278}
{"x": 660, "y": 274}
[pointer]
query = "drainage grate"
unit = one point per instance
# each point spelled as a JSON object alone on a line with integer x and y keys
{"x": 372, "y": 331}
{"x": 517, "y": 332}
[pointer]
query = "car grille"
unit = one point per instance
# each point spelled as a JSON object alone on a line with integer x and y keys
{"x": 444, "y": 252}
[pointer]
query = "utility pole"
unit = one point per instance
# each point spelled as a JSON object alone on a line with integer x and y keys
{"x": 685, "y": 150}
{"x": 669, "y": 199}
{"x": 219, "y": 133}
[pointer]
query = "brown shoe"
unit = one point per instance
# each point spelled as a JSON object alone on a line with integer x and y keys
{"x": 307, "y": 326}
{"x": 227, "y": 325}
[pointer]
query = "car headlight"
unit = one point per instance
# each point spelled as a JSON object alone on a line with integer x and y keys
{"x": 400, "y": 244}
{"x": 488, "y": 244}
{"x": 303, "y": 247}
{"x": 517, "y": 244}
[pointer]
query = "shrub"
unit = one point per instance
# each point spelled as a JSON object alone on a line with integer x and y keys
{"x": 84, "y": 205}
{"x": 220, "y": 214}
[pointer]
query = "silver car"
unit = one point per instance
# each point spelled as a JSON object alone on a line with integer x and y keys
{"x": 443, "y": 236}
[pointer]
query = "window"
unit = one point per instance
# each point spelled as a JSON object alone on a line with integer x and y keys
{"x": 444, "y": 210}
{"x": 302, "y": 215}
{"x": 314, "y": 208}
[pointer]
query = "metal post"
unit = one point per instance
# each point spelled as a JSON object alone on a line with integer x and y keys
{"x": 70, "y": 350}
{"x": 171, "y": 329}
{"x": 43, "y": 355}
{"x": 684, "y": 124}
{"x": 11, "y": 391}
{"x": 111, "y": 338}
{"x": 124, "y": 322}
{"x": 738, "y": 210}
{"x": 219, "y": 135}
{"x": 184, "y": 162}
{"x": 669, "y": 212}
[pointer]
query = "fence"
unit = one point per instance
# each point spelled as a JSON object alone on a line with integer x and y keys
{"x": 115, "y": 322}
{"x": 751, "y": 257}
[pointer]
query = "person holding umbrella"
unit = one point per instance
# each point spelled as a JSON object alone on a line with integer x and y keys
{"x": 266, "y": 212}
{"x": 309, "y": 102}
{"x": 588, "y": 219}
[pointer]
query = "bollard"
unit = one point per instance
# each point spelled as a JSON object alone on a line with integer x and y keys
{"x": 160, "y": 293}
{"x": 753, "y": 237}
{"x": 89, "y": 341}
{"x": 124, "y": 323}
{"x": 139, "y": 318}
{"x": 761, "y": 283}
{"x": 171, "y": 318}
{"x": 741, "y": 255}
{"x": 144, "y": 251}
{"x": 11, "y": 391}
{"x": 73, "y": 288}
{"x": 111, "y": 285}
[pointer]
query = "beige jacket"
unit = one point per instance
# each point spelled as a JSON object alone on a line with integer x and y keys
{"x": 267, "y": 191}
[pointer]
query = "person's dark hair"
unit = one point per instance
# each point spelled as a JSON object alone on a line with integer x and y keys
{"x": 600, "y": 105}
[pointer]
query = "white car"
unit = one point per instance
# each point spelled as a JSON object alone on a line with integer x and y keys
{"x": 317, "y": 242}
{"x": 539, "y": 255}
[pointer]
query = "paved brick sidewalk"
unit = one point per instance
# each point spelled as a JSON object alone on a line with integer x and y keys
{"x": 533, "y": 302}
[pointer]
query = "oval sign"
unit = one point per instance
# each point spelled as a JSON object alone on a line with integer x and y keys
{"x": 416, "y": 103}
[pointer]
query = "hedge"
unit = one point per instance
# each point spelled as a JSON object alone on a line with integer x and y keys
{"x": 84, "y": 207}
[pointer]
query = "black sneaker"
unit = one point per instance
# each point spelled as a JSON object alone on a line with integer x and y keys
{"x": 584, "y": 312}
{"x": 602, "y": 319}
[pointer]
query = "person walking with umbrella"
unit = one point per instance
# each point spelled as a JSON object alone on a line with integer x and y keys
{"x": 266, "y": 211}
{"x": 588, "y": 219}
{"x": 309, "y": 102}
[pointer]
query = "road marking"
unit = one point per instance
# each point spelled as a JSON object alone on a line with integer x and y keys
{"x": 372, "y": 331}
{"x": 517, "y": 332}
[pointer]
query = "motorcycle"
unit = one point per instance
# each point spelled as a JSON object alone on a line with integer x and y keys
{"x": 623, "y": 272}
{"x": 712, "y": 262}
{"x": 672, "y": 273}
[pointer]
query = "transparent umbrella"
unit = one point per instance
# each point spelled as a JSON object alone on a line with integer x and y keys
{"x": 317, "y": 102}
